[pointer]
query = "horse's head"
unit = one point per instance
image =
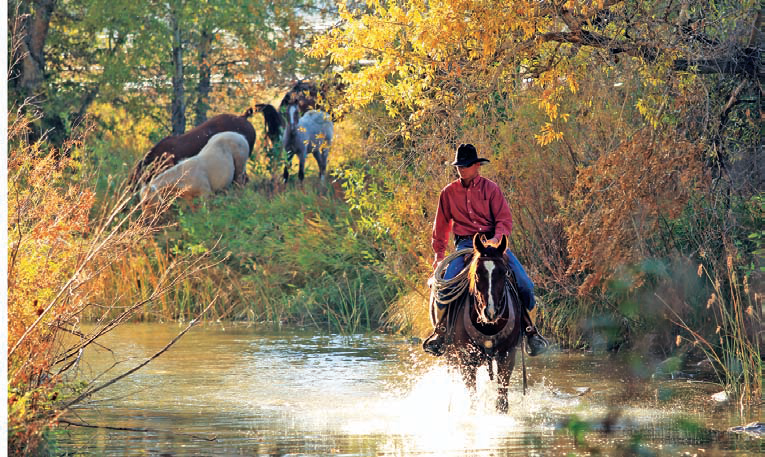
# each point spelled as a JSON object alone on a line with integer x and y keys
{"x": 488, "y": 274}
{"x": 293, "y": 117}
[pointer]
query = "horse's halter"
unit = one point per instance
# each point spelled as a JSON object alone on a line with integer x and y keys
{"x": 488, "y": 280}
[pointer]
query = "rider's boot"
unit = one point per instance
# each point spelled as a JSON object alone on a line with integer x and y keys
{"x": 434, "y": 344}
{"x": 535, "y": 343}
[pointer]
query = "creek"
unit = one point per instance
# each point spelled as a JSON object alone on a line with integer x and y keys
{"x": 227, "y": 389}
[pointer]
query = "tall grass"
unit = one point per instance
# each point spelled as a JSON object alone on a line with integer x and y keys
{"x": 734, "y": 349}
{"x": 291, "y": 257}
{"x": 63, "y": 240}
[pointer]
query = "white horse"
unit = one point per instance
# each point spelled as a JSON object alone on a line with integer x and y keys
{"x": 214, "y": 168}
{"x": 311, "y": 133}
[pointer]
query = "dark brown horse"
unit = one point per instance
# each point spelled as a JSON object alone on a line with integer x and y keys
{"x": 173, "y": 149}
{"x": 273, "y": 120}
{"x": 323, "y": 95}
{"x": 304, "y": 94}
{"x": 484, "y": 324}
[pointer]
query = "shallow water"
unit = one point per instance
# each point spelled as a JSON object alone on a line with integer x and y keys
{"x": 236, "y": 390}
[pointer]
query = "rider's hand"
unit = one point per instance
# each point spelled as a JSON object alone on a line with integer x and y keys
{"x": 437, "y": 261}
{"x": 494, "y": 241}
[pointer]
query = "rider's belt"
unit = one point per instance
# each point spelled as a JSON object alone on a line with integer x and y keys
{"x": 458, "y": 238}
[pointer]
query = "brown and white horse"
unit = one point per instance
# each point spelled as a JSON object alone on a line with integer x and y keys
{"x": 173, "y": 149}
{"x": 213, "y": 169}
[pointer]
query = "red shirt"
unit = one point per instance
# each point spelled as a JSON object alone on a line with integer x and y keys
{"x": 480, "y": 207}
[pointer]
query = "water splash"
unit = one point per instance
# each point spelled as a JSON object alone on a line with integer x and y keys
{"x": 434, "y": 412}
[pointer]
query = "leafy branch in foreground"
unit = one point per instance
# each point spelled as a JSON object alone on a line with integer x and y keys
{"x": 60, "y": 241}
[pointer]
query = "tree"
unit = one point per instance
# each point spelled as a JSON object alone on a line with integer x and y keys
{"x": 466, "y": 67}
{"x": 30, "y": 23}
{"x": 80, "y": 51}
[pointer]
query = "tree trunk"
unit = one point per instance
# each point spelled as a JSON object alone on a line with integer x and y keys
{"x": 178, "y": 105}
{"x": 204, "y": 86}
{"x": 29, "y": 59}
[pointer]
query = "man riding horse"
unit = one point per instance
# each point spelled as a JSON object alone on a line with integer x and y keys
{"x": 474, "y": 205}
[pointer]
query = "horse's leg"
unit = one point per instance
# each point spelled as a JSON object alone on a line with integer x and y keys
{"x": 317, "y": 155}
{"x": 505, "y": 365}
{"x": 287, "y": 165}
{"x": 323, "y": 165}
{"x": 301, "y": 157}
{"x": 468, "y": 367}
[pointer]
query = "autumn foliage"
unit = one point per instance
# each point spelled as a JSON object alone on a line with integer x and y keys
{"x": 61, "y": 241}
{"x": 616, "y": 203}
{"x": 621, "y": 132}
{"x": 49, "y": 219}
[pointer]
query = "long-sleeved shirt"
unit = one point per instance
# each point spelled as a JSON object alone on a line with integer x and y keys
{"x": 480, "y": 207}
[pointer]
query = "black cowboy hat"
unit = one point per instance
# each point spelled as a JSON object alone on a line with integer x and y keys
{"x": 466, "y": 155}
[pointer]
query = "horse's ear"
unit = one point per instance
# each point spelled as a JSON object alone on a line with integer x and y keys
{"x": 247, "y": 113}
{"x": 478, "y": 242}
{"x": 503, "y": 244}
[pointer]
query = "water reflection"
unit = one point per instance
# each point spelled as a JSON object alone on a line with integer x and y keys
{"x": 226, "y": 390}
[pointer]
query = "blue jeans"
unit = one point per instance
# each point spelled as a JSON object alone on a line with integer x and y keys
{"x": 525, "y": 286}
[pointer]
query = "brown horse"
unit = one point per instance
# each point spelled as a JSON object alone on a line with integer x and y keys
{"x": 273, "y": 120}
{"x": 173, "y": 149}
{"x": 323, "y": 95}
{"x": 483, "y": 325}
{"x": 303, "y": 94}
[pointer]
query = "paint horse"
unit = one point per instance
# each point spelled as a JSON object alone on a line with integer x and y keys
{"x": 312, "y": 132}
{"x": 172, "y": 149}
{"x": 483, "y": 323}
{"x": 213, "y": 169}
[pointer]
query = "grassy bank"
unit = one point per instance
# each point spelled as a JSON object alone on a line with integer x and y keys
{"x": 291, "y": 257}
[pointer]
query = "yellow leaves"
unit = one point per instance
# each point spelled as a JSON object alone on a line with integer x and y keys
{"x": 573, "y": 85}
{"x": 412, "y": 50}
{"x": 548, "y": 135}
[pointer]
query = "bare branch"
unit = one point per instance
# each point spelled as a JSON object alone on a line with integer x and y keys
{"x": 90, "y": 392}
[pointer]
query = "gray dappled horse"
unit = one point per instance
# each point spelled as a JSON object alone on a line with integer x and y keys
{"x": 312, "y": 132}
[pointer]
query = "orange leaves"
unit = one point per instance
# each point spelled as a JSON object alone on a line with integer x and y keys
{"x": 616, "y": 202}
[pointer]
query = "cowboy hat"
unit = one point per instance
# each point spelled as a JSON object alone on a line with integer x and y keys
{"x": 466, "y": 156}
